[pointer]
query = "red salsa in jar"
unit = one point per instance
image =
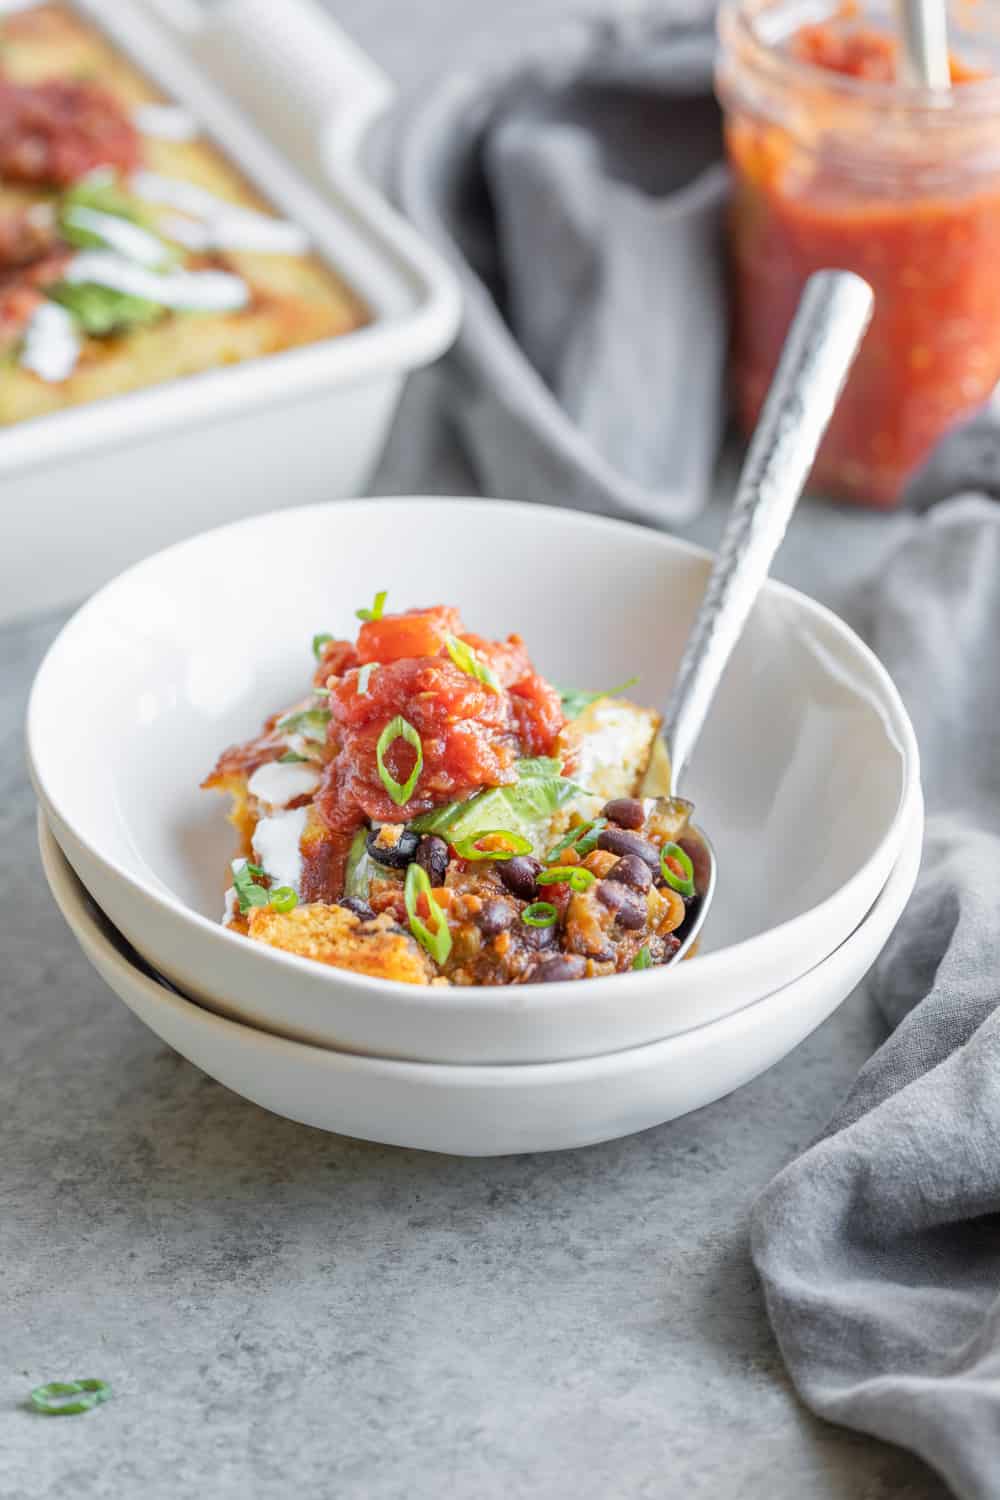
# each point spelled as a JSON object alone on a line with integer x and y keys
{"x": 837, "y": 164}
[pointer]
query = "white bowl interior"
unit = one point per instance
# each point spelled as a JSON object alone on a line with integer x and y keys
{"x": 799, "y": 777}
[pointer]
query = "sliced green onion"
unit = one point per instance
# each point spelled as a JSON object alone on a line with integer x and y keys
{"x": 311, "y": 723}
{"x": 100, "y": 310}
{"x": 575, "y": 876}
{"x": 539, "y": 914}
{"x": 399, "y": 728}
{"x": 283, "y": 899}
{"x": 583, "y": 838}
{"x": 364, "y": 677}
{"x": 321, "y": 692}
{"x": 682, "y": 884}
{"x": 468, "y": 662}
{"x": 319, "y": 641}
{"x": 642, "y": 959}
{"x": 471, "y": 847}
{"x": 247, "y": 891}
{"x": 375, "y": 613}
{"x": 291, "y": 758}
{"x": 438, "y": 941}
{"x": 360, "y": 868}
{"x": 51, "y": 1398}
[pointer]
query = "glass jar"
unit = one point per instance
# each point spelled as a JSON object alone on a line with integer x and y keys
{"x": 835, "y": 164}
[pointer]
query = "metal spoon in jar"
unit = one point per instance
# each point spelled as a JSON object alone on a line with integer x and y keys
{"x": 923, "y": 26}
{"x": 827, "y": 330}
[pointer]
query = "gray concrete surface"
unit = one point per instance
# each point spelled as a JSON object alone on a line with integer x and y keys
{"x": 284, "y": 1313}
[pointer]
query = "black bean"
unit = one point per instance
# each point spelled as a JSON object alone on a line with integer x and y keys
{"x": 358, "y": 907}
{"x": 538, "y": 937}
{"x": 627, "y": 812}
{"x": 628, "y": 906}
{"x": 495, "y": 917}
{"x": 630, "y": 870}
{"x": 559, "y": 967}
{"x": 432, "y": 856}
{"x": 617, "y": 841}
{"x": 518, "y": 875}
{"x": 393, "y": 856}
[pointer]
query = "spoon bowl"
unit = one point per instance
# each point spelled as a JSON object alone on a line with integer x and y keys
{"x": 704, "y": 883}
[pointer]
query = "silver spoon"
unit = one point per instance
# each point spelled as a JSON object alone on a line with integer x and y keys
{"x": 923, "y": 26}
{"x": 827, "y": 330}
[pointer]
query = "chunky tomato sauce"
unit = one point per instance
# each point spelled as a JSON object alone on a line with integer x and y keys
{"x": 471, "y": 734}
{"x": 860, "y": 52}
{"x": 54, "y": 133}
{"x": 932, "y": 354}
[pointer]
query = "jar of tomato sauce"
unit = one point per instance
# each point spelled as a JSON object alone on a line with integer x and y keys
{"x": 837, "y": 162}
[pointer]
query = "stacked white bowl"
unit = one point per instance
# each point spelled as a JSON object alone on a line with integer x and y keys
{"x": 807, "y": 779}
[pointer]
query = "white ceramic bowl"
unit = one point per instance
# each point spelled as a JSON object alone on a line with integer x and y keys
{"x": 806, "y": 777}
{"x": 485, "y": 1111}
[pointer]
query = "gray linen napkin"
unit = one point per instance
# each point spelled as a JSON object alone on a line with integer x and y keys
{"x": 579, "y": 197}
{"x": 879, "y": 1248}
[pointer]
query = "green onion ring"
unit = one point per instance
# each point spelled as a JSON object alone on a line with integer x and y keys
{"x": 540, "y": 914}
{"x": 468, "y": 662}
{"x": 291, "y": 758}
{"x": 311, "y": 723}
{"x": 399, "y": 728}
{"x": 90, "y": 1393}
{"x": 319, "y": 641}
{"x": 468, "y": 848}
{"x": 583, "y": 838}
{"x": 683, "y": 885}
{"x": 575, "y": 876}
{"x": 375, "y": 613}
{"x": 643, "y": 959}
{"x": 283, "y": 899}
{"x": 438, "y": 941}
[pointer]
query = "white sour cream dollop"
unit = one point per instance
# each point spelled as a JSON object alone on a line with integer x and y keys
{"x": 191, "y": 291}
{"x": 51, "y": 343}
{"x": 277, "y": 846}
{"x": 213, "y": 223}
{"x": 119, "y": 234}
{"x": 276, "y": 784}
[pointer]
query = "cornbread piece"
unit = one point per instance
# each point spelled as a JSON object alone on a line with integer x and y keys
{"x": 609, "y": 746}
{"x": 333, "y": 935}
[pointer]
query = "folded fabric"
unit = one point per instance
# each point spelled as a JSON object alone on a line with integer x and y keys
{"x": 879, "y": 1248}
{"x": 580, "y": 198}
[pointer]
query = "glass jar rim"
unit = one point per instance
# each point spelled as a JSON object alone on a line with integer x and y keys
{"x": 737, "y": 26}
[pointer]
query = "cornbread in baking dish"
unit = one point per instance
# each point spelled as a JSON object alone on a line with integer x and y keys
{"x": 131, "y": 251}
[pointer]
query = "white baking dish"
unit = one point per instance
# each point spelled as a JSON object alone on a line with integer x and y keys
{"x": 87, "y": 491}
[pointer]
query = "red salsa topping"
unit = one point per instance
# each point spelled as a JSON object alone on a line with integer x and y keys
{"x": 471, "y": 734}
{"x": 55, "y": 132}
